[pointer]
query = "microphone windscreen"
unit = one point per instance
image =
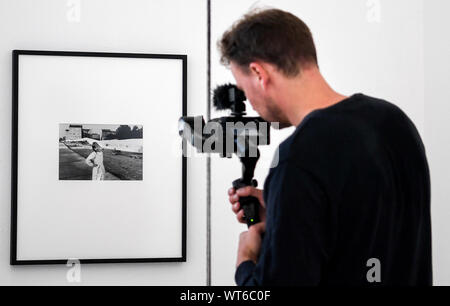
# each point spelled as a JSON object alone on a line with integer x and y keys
{"x": 226, "y": 95}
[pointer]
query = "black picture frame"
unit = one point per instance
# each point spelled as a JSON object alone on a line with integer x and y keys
{"x": 15, "y": 150}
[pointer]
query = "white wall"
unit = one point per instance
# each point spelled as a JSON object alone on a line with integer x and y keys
{"x": 403, "y": 58}
{"x": 374, "y": 47}
{"x": 437, "y": 131}
{"x": 146, "y": 26}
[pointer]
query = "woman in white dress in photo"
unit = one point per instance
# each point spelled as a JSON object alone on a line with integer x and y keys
{"x": 95, "y": 160}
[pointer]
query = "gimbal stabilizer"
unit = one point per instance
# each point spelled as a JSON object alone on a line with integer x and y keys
{"x": 236, "y": 134}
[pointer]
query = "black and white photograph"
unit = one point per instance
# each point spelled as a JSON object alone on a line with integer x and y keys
{"x": 100, "y": 152}
{"x": 87, "y": 178}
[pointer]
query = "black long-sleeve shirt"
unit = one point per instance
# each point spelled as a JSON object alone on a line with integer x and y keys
{"x": 351, "y": 186}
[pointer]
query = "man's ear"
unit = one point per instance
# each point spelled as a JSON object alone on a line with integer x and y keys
{"x": 258, "y": 71}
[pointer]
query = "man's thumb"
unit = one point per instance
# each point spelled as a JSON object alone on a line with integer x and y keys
{"x": 247, "y": 191}
{"x": 258, "y": 228}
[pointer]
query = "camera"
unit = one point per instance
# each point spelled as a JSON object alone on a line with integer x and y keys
{"x": 235, "y": 134}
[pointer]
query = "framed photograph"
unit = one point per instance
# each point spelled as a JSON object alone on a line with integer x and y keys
{"x": 98, "y": 173}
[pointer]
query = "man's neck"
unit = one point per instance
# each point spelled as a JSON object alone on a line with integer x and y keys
{"x": 307, "y": 93}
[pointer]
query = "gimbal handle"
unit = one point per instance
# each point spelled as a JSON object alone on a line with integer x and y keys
{"x": 250, "y": 204}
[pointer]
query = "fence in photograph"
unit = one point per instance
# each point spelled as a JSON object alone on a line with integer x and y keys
{"x": 122, "y": 158}
{"x": 125, "y": 145}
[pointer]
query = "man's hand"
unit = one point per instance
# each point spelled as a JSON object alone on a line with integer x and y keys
{"x": 245, "y": 192}
{"x": 250, "y": 243}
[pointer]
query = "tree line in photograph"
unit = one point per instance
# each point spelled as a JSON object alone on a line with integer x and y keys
{"x": 126, "y": 132}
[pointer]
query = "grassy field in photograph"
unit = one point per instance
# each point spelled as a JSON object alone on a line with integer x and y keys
{"x": 124, "y": 165}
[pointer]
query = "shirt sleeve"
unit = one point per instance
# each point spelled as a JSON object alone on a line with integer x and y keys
{"x": 299, "y": 232}
{"x": 90, "y": 158}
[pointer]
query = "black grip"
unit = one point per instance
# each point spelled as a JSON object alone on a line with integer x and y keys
{"x": 250, "y": 205}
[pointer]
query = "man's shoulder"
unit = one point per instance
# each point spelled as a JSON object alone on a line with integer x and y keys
{"x": 335, "y": 131}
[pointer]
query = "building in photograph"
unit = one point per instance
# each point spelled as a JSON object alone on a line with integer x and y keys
{"x": 94, "y": 136}
{"x": 108, "y": 134}
{"x": 74, "y": 131}
{"x": 86, "y": 133}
